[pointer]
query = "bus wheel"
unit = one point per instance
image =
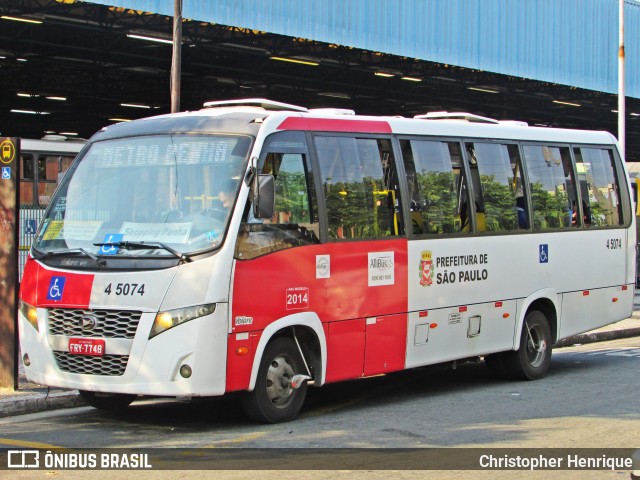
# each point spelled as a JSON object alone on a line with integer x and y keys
{"x": 531, "y": 361}
{"x": 274, "y": 399}
{"x": 106, "y": 401}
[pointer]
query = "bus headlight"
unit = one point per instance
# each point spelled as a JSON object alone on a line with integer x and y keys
{"x": 171, "y": 318}
{"x": 29, "y": 312}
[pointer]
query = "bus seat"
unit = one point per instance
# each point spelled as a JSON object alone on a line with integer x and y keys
{"x": 481, "y": 222}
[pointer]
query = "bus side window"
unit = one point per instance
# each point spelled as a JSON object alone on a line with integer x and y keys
{"x": 294, "y": 222}
{"x": 553, "y": 192}
{"x": 437, "y": 190}
{"x": 497, "y": 184}
{"x": 601, "y": 206}
{"x": 360, "y": 187}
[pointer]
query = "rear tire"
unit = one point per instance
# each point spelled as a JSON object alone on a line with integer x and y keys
{"x": 105, "y": 401}
{"x": 531, "y": 361}
{"x": 273, "y": 400}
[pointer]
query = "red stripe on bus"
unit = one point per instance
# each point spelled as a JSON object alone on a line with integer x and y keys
{"x": 335, "y": 125}
{"x": 73, "y": 290}
{"x": 29, "y": 284}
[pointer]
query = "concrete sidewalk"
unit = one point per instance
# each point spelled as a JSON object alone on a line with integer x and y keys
{"x": 31, "y": 398}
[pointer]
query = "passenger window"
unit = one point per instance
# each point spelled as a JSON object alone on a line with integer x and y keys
{"x": 26, "y": 167}
{"x": 360, "y": 187}
{"x": 599, "y": 190}
{"x": 553, "y": 192}
{"x": 295, "y": 219}
{"x": 437, "y": 190}
{"x": 27, "y": 176}
{"x": 499, "y": 199}
{"x": 48, "y": 169}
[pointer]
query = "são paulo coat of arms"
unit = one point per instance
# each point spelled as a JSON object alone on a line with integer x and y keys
{"x": 426, "y": 268}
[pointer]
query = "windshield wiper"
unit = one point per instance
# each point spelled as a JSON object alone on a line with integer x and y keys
{"x": 72, "y": 250}
{"x": 126, "y": 245}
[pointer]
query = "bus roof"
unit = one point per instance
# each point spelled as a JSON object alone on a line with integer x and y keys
{"x": 51, "y": 146}
{"x": 247, "y": 116}
{"x": 443, "y": 128}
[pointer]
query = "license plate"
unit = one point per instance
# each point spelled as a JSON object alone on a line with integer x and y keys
{"x": 86, "y": 346}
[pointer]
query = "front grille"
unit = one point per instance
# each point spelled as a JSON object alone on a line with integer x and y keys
{"x": 109, "y": 323}
{"x": 111, "y": 365}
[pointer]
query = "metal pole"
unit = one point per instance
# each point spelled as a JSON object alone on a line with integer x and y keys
{"x": 621, "y": 94}
{"x": 9, "y": 201}
{"x": 177, "y": 54}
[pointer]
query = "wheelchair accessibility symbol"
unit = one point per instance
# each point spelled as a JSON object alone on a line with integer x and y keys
{"x": 544, "y": 253}
{"x": 56, "y": 288}
{"x": 111, "y": 239}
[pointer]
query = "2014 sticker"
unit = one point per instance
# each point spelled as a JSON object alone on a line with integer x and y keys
{"x": 297, "y": 298}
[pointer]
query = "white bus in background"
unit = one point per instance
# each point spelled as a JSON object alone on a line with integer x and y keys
{"x": 260, "y": 247}
{"x": 42, "y": 162}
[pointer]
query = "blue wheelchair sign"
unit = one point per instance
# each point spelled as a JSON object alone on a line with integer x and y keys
{"x": 110, "y": 249}
{"x": 56, "y": 288}
{"x": 543, "y": 253}
{"x": 30, "y": 227}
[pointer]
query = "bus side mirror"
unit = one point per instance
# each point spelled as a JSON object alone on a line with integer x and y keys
{"x": 264, "y": 196}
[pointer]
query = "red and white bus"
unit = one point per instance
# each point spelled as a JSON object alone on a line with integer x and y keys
{"x": 261, "y": 247}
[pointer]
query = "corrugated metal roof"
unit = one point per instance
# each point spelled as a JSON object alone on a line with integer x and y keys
{"x": 571, "y": 42}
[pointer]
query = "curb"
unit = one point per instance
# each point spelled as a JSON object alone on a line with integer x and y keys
{"x": 24, "y": 403}
{"x": 592, "y": 337}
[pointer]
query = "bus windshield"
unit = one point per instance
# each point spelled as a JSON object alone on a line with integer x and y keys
{"x": 173, "y": 193}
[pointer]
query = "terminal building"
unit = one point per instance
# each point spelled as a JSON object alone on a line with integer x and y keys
{"x": 71, "y": 67}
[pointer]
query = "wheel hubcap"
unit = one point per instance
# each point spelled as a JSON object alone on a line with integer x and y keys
{"x": 279, "y": 374}
{"x": 536, "y": 345}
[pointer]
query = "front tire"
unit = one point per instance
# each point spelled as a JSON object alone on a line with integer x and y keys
{"x": 274, "y": 400}
{"x": 531, "y": 361}
{"x": 103, "y": 401}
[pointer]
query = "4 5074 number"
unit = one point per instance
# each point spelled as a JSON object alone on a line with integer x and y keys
{"x": 614, "y": 243}
{"x": 125, "y": 289}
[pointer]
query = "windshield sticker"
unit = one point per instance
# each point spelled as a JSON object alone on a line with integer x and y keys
{"x": 77, "y": 230}
{"x": 59, "y": 208}
{"x": 71, "y": 230}
{"x": 53, "y": 230}
{"x": 211, "y": 236}
{"x": 110, "y": 249}
{"x": 381, "y": 269}
{"x": 156, "y": 232}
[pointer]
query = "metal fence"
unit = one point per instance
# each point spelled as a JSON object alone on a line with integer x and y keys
{"x": 29, "y": 218}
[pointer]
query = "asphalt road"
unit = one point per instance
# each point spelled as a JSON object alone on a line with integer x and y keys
{"x": 589, "y": 399}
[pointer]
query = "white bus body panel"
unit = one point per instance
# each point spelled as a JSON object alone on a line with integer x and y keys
{"x": 497, "y": 278}
{"x": 153, "y": 364}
